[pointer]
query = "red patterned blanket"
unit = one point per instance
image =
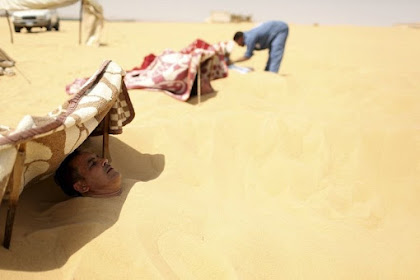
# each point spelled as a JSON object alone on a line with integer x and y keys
{"x": 175, "y": 72}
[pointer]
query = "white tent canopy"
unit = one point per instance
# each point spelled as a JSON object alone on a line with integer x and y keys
{"x": 92, "y": 11}
{"x": 13, "y": 5}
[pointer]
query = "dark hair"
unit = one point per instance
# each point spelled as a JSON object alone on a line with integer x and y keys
{"x": 66, "y": 175}
{"x": 238, "y": 35}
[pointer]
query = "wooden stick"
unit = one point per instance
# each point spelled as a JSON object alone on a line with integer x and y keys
{"x": 10, "y": 27}
{"x": 80, "y": 22}
{"x": 14, "y": 194}
{"x": 105, "y": 140}
{"x": 199, "y": 83}
{"x": 29, "y": 82}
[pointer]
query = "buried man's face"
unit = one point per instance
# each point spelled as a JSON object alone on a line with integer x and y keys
{"x": 99, "y": 178}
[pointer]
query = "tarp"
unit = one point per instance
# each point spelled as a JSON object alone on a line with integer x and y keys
{"x": 4, "y": 57}
{"x": 5, "y": 63}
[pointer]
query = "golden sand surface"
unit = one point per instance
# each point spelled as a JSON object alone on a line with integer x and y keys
{"x": 312, "y": 173}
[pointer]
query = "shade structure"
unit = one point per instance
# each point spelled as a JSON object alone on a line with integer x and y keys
{"x": 90, "y": 8}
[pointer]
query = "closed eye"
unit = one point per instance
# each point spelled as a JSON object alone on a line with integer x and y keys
{"x": 93, "y": 161}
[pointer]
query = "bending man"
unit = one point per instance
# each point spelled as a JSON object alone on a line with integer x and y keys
{"x": 271, "y": 35}
{"x": 86, "y": 174}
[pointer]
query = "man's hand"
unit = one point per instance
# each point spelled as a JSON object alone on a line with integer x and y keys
{"x": 227, "y": 59}
{"x": 229, "y": 62}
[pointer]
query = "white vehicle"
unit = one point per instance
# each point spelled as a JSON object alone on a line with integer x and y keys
{"x": 36, "y": 18}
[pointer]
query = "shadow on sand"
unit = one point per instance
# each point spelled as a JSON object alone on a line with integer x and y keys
{"x": 50, "y": 227}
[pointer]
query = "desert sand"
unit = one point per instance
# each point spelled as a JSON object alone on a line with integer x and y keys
{"x": 312, "y": 173}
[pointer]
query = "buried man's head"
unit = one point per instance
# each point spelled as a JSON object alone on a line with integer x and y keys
{"x": 86, "y": 174}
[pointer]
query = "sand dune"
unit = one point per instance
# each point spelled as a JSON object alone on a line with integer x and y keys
{"x": 312, "y": 173}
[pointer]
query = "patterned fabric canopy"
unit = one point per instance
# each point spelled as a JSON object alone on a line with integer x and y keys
{"x": 175, "y": 72}
{"x": 49, "y": 139}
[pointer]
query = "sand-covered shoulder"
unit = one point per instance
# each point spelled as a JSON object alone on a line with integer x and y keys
{"x": 312, "y": 173}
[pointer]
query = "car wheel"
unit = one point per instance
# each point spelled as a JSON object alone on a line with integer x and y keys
{"x": 49, "y": 27}
{"x": 57, "y": 26}
{"x": 29, "y": 29}
{"x": 17, "y": 29}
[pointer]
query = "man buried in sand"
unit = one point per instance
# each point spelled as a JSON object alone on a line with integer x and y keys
{"x": 86, "y": 174}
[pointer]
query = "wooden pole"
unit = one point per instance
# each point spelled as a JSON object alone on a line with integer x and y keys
{"x": 199, "y": 84}
{"x": 14, "y": 194}
{"x": 80, "y": 22}
{"x": 105, "y": 140}
{"x": 10, "y": 27}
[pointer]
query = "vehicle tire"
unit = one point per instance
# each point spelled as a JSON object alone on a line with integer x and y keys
{"x": 17, "y": 29}
{"x": 49, "y": 27}
{"x": 57, "y": 26}
{"x": 29, "y": 29}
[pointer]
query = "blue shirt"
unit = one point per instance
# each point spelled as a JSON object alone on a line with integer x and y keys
{"x": 260, "y": 37}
